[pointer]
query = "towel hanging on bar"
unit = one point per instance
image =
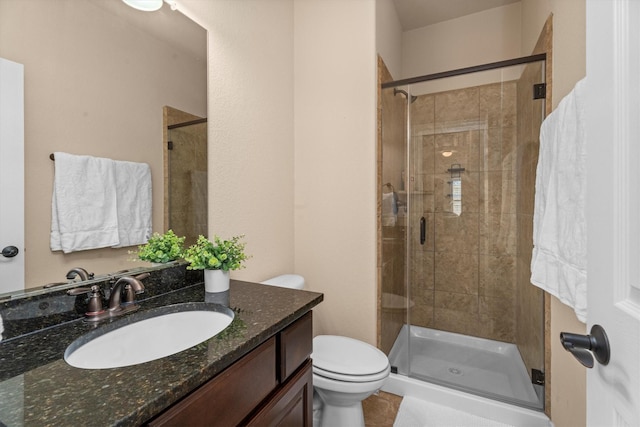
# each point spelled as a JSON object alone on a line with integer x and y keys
{"x": 128, "y": 185}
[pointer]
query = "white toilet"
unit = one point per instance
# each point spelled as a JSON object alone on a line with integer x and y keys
{"x": 345, "y": 372}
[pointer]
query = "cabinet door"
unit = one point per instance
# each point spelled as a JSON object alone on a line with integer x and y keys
{"x": 292, "y": 405}
{"x": 296, "y": 345}
{"x": 229, "y": 397}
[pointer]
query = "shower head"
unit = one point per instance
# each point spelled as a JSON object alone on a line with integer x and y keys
{"x": 404, "y": 92}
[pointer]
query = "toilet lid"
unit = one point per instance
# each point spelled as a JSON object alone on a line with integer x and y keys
{"x": 347, "y": 356}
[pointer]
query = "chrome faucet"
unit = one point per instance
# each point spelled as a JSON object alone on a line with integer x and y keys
{"x": 80, "y": 272}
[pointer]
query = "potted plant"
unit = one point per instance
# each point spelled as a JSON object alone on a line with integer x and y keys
{"x": 162, "y": 248}
{"x": 216, "y": 258}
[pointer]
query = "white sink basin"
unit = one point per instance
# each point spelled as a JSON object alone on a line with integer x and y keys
{"x": 153, "y": 335}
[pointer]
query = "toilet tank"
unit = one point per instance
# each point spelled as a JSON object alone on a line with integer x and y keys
{"x": 291, "y": 281}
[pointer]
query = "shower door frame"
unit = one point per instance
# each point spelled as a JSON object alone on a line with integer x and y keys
{"x": 409, "y": 147}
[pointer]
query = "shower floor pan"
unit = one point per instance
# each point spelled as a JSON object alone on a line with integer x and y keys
{"x": 488, "y": 368}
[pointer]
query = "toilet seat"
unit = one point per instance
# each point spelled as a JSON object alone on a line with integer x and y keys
{"x": 291, "y": 281}
{"x": 346, "y": 359}
{"x": 352, "y": 378}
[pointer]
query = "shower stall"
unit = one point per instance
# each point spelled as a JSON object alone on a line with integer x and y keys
{"x": 186, "y": 177}
{"x": 457, "y": 160}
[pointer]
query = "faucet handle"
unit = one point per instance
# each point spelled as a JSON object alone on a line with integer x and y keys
{"x": 79, "y": 291}
{"x": 129, "y": 291}
{"x": 94, "y": 306}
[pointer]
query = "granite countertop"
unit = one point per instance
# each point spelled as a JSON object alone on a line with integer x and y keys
{"x": 38, "y": 388}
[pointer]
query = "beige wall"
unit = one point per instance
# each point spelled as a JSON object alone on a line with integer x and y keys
{"x": 335, "y": 161}
{"x": 568, "y": 377}
{"x": 569, "y": 39}
{"x": 302, "y": 188}
{"x": 86, "y": 92}
{"x": 251, "y": 170}
{"x": 389, "y": 37}
{"x": 447, "y": 45}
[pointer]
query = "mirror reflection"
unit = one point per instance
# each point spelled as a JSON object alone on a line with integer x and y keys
{"x": 104, "y": 80}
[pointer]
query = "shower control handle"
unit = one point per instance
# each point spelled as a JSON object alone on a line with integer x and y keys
{"x": 584, "y": 347}
{"x": 423, "y": 230}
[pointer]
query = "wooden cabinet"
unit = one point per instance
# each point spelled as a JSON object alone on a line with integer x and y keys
{"x": 270, "y": 386}
{"x": 292, "y": 405}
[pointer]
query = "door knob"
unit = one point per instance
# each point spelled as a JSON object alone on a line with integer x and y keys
{"x": 9, "y": 251}
{"x": 585, "y": 347}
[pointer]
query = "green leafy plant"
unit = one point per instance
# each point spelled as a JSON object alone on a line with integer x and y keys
{"x": 162, "y": 248}
{"x": 217, "y": 255}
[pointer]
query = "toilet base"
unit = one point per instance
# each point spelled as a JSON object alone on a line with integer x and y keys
{"x": 340, "y": 416}
{"x": 339, "y": 409}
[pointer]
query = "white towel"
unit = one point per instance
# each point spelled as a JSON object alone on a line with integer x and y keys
{"x": 134, "y": 203}
{"x": 389, "y": 209}
{"x": 559, "y": 260}
{"x": 83, "y": 208}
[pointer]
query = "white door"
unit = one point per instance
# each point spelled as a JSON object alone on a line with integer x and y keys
{"x": 11, "y": 176}
{"x": 613, "y": 207}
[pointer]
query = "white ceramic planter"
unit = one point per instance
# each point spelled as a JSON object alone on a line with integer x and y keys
{"x": 216, "y": 280}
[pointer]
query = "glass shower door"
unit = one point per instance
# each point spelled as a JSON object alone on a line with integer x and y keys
{"x": 187, "y": 179}
{"x": 474, "y": 322}
{"x": 393, "y": 231}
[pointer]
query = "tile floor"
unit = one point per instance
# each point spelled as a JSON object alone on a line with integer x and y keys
{"x": 380, "y": 409}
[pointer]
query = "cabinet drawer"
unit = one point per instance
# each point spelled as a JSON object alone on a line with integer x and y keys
{"x": 229, "y": 397}
{"x": 296, "y": 345}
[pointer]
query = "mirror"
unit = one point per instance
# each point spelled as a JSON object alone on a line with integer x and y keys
{"x": 97, "y": 75}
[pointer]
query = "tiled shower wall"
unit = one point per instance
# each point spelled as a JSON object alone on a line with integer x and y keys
{"x": 462, "y": 279}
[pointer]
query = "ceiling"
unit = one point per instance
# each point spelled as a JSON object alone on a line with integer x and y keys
{"x": 412, "y": 13}
{"x": 419, "y": 13}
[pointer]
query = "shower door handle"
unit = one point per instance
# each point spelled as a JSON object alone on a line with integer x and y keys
{"x": 423, "y": 230}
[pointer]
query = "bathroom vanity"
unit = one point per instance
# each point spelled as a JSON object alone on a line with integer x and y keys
{"x": 255, "y": 372}
{"x": 261, "y": 387}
